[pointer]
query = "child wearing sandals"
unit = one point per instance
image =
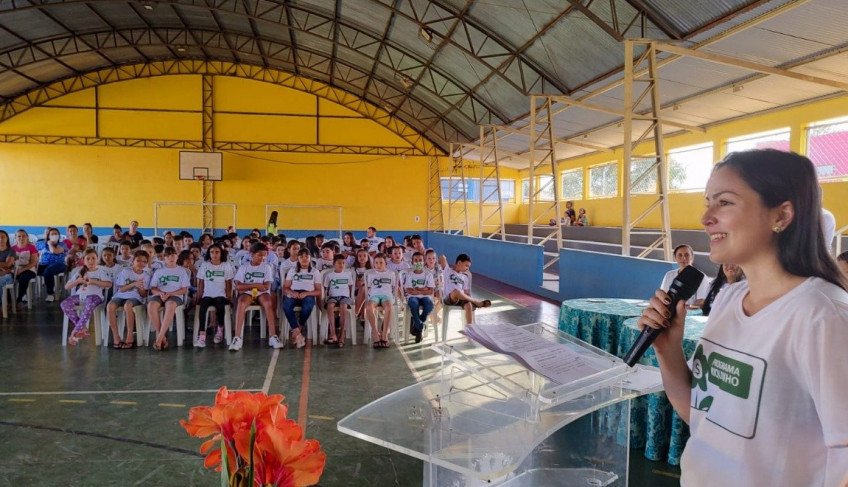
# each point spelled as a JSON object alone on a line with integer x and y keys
{"x": 90, "y": 285}
{"x": 301, "y": 287}
{"x": 214, "y": 288}
{"x": 110, "y": 267}
{"x": 168, "y": 288}
{"x": 131, "y": 288}
{"x": 253, "y": 284}
{"x": 418, "y": 287}
{"x": 382, "y": 287}
{"x": 457, "y": 290}
{"x": 361, "y": 264}
{"x": 338, "y": 283}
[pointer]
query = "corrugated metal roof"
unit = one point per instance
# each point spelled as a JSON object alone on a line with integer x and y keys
{"x": 689, "y": 16}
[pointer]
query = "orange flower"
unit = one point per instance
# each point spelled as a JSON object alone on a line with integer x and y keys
{"x": 281, "y": 456}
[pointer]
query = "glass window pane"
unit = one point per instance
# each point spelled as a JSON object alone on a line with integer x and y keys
{"x": 827, "y": 147}
{"x": 603, "y": 181}
{"x": 777, "y": 139}
{"x": 690, "y": 167}
{"x": 525, "y": 190}
{"x": 546, "y": 188}
{"x": 572, "y": 184}
{"x": 639, "y": 166}
{"x": 508, "y": 190}
{"x": 490, "y": 193}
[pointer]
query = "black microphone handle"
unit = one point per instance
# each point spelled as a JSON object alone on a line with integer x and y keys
{"x": 648, "y": 335}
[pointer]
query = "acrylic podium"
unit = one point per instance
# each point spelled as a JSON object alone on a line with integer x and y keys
{"x": 488, "y": 420}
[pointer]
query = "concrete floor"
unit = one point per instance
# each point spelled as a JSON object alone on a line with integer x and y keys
{"x": 92, "y": 416}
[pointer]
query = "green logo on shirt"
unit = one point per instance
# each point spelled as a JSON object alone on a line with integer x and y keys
{"x": 455, "y": 279}
{"x": 210, "y": 274}
{"x": 730, "y": 375}
{"x": 250, "y": 276}
{"x": 336, "y": 283}
{"x": 164, "y": 280}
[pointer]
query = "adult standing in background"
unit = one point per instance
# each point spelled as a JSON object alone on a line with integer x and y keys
{"x": 88, "y": 234}
{"x": 133, "y": 235}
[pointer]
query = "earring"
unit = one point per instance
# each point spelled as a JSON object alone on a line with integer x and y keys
{"x": 777, "y": 229}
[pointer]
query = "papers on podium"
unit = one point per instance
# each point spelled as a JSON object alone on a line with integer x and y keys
{"x": 557, "y": 361}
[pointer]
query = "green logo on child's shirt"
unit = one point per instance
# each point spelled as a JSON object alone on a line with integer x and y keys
{"x": 337, "y": 282}
{"x": 211, "y": 275}
{"x": 163, "y": 280}
{"x": 455, "y": 279}
{"x": 419, "y": 282}
{"x": 253, "y": 276}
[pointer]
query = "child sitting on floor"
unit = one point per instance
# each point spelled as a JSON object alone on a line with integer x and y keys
{"x": 458, "y": 287}
{"x": 90, "y": 285}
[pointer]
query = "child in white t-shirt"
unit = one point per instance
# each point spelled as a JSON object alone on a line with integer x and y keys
{"x": 168, "y": 288}
{"x": 457, "y": 282}
{"x": 361, "y": 264}
{"x": 131, "y": 286}
{"x": 418, "y": 287}
{"x": 253, "y": 284}
{"x": 125, "y": 256}
{"x": 90, "y": 285}
{"x": 110, "y": 267}
{"x": 396, "y": 262}
{"x": 325, "y": 261}
{"x": 338, "y": 284}
{"x": 381, "y": 287}
{"x": 301, "y": 287}
{"x": 214, "y": 288}
{"x": 243, "y": 255}
{"x": 432, "y": 266}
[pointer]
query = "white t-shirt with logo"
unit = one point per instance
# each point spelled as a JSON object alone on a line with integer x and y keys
{"x": 303, "y": 280}
{"x": 769, "y": 402}
{"x": 170, "y": 279}
{"x": 381, "y": 283}
{"x": 418, "y": 281}
{"x": 338, "y": 284}
{"x": 91, "y": 290}
{"x": 456, "y": 280}
{"x": 285, "y": 266}
{"x": 322, "y": 265}
{"x": 215, "y": 278}
{"x": 373, "y": 243}
{"x": 397, "y": 266}
{"x": 701, "y": 293}
{"x": 126, "y": 276}
{"x": 255, "y": 274}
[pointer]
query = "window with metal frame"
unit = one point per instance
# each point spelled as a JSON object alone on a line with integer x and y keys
{"x": 572, "y": 184}
{"x": 603, "y": 180}
{"x": 827, "y": 147}
{"x": 689, "y": 167}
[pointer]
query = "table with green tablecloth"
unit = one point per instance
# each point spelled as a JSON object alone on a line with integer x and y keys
{"x": 610, "y": 324}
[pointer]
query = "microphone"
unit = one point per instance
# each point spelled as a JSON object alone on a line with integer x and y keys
{"x": 681, "y": 289}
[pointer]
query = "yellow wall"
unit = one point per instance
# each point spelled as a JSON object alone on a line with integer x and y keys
{"x": 57, "y": 184}
{"x": 686, "y": 207}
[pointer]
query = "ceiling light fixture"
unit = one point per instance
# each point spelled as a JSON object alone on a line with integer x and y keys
{"x": 426, "y": 34}
{"x": 405, "y": 80}
{"x": 147, "y": 5}
{"x": 181, "y": 49}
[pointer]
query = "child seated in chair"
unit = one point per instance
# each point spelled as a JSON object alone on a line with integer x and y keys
{"x": 90, "y": 284}
{"x": 458, "y": 287}
{"x": 301, "y": 287}
{"x": 418, "y": 287}
{"x": 168, "y": 288}
{"x": 325, "y": 261}
{"x": 125, "y": 256}
{"x": 214, "y": 288}
{"x": 381, "y": 287}
{"x": 131, "y": 288}
{"x": 338, "y": 283}
{"x": 253, "y": 283}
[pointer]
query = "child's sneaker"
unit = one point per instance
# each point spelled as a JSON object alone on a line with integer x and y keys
{"x": 236, "y": 345}
{"x": 274, "y": 342}
{"x": 219, "y": 335}
{"x": 201, "y": 341}
{"x": 49, "y": 298}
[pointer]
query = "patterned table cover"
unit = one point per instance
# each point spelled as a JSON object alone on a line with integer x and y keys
{"x": 610, "y": 324}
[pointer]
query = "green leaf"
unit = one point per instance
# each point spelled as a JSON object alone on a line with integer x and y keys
{"x": 225, "y": 471}
{"x": 705, "y": 403}
{"x": 252, "y": 441}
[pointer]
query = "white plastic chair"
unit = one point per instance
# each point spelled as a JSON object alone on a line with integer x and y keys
{"x": 140, "y": 312}
{"x": 179, "y": 322}
{"x": 10, "y": 294}
{"x": 380, "y": 316}
{"x": 228, "y": 322}
{"x": 93, "y": 321}
{"x": 457, "y": 312}
{"x": 311, "y": 323}
{"x": 248, "y": 320}
{"x": 324, "y": 324}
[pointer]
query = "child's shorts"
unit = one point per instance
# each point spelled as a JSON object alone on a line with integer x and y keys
{"x": 380, "y": 299}
{"x": 172, "y": 299}
{"x": 119, "y": 302}
{"x": 340, "y": 300}
{"x": 454, "y": 302}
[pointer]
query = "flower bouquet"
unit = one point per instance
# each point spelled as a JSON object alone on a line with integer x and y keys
{"x": 263, "y": 447}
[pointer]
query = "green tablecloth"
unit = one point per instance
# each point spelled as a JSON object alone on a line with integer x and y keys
{"x": 610, "y": 324}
